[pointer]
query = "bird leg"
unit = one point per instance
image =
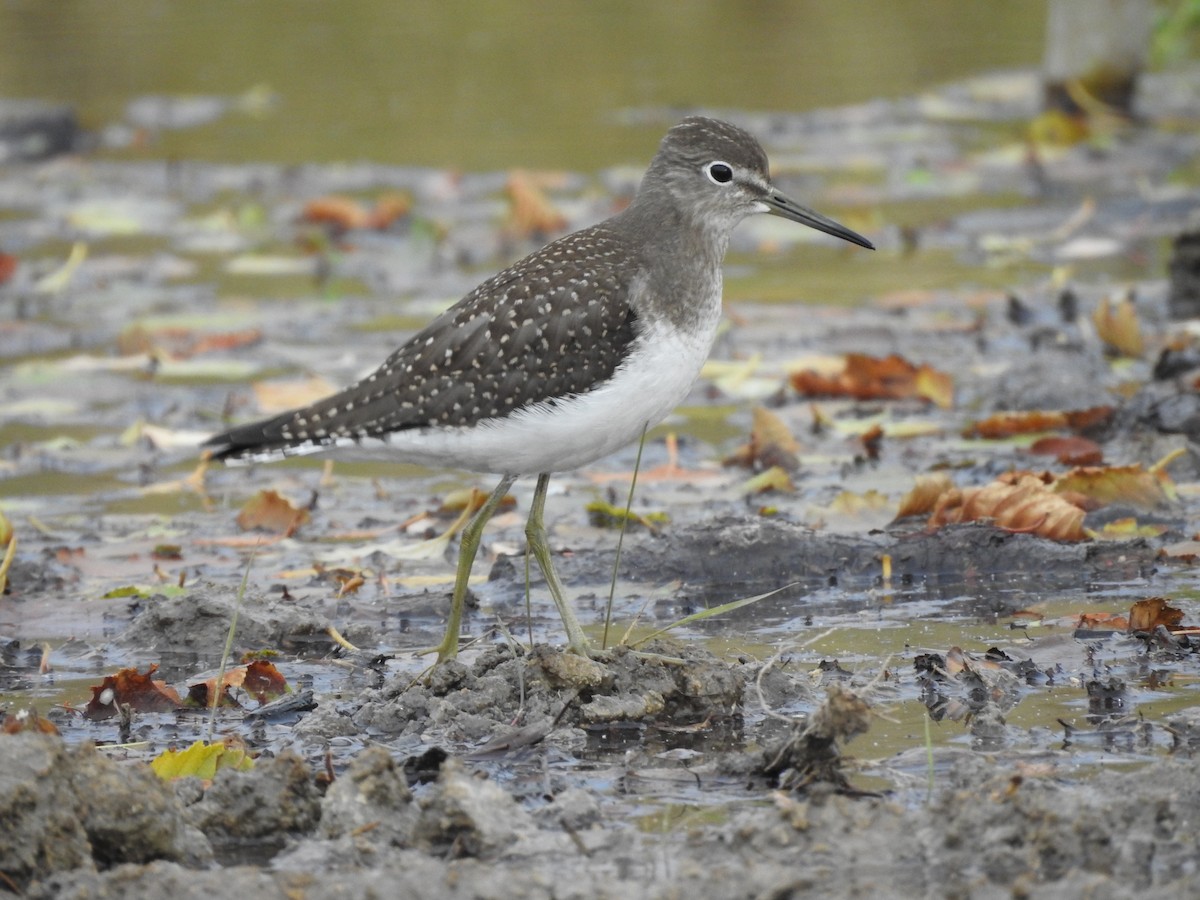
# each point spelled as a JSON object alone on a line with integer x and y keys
{"x": 468, "y": 547}
{"x": 535, "y": 534}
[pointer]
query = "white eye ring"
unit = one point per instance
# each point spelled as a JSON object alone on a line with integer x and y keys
{"x": 719, "y": 172}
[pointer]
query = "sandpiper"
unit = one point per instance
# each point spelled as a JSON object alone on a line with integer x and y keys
{"x": 563, "y": 357}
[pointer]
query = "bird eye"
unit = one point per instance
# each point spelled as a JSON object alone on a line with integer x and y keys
{"x": 719, "y": 173}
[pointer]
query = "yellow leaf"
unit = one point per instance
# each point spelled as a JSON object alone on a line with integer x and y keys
{"x": 8, "y": 549}
{"x": 773, "y": 479}
{"x": 200, "y": 760}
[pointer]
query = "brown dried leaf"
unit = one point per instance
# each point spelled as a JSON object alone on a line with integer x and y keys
{"x": 1148, "y": 614}
{"x": 26, "y": 720}
{"x": 1187, "y": 551}
{"x": 872, "y": 440}
{"x": 129, "y": 686}
{"x": 925, "y": 494}
{"x": 1007, "y": 424}
{"x": 771, "y": 444}
{"x": 339, "y": 211}
{"x": 1101, "y": 622}
{"x": 1117, "y": 325}
{"x": 1026, "y": 506}
{"x": 8, "y": 266}
{"x": 389, "y": 208}
{"x": 271, "y": 512}
{"x": 873, "y": 378}
{"x": 531, "y": 214}
{"x": 1072, "y": 450}
{"x": 259, "y": 678}
{"x": 1083, "y": 420}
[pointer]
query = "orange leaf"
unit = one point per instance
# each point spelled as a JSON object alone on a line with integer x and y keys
{"x": 1006, "y": 424}
{"x": 872, "y": 378}
{"x": 129, "y": 686}
{"x": 532, "y": 214}
{"x": 271, "y": 512}
{"x": 1101, "y": 622}
{"x": 8, "y": 266}
{"x": 1148, "y": 614}
{"x": 336, "y": 210}
{"x": 388, "y": 209}
{"x": 1027, "y": 506}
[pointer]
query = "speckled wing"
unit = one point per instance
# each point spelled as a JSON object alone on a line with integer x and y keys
{"x": 555, "y": 324}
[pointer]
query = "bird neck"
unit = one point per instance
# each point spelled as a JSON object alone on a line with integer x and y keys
{"x": 681, "y": 258}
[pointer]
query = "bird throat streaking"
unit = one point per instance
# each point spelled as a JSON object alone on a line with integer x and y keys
{"x": 565, "y": 356}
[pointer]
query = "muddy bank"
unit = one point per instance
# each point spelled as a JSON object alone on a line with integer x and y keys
{"x": 985, "y": 831}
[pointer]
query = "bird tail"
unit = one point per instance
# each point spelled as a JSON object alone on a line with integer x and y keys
{"x": 270, "y": 439}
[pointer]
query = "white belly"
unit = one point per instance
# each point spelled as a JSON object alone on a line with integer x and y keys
{"x": 543, "y": 438}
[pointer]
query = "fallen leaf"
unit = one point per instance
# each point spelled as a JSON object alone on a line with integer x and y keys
{"x": 1072, "y": 450}
{"x": 771, "y": 444}
{"x": 8, "y": 267}
{"x": 57, "y": 281}
{"x": 1007, "y": 424}
{"x": 1025, "y": 506}
{"x": 872, "y": 440}
{"x": 26, "y": 720}
{"x": 872, "y": 378}
{"x": 1126, "y": 529}
{"x": 1059, "y": 128}
{"x": 202, "y": 760}
{"x": 337, "y": 210}
{"x": 609, "y": 515}
{"x": 271, "y": 512}
{"x": 471, "y": 499}
{"x": 1117, "y": 325}
{"x": 345, "y": 213}
{"x": 531, "y": 213}
{"x": 1187, "y": 551}
{"x": 924, "y": 495}
{"x": 8, "y": 549}
{"x": 128, "y": 686}
{"x": 182, "y": 343}
{"x": 772, "y": 479}
{"x": 259, "y": 678}
{"x": 280, "y": 396}
{"x": 1101, "y": 622}
{"x": 849, "y": 503}
{"x": 389, "y": 208}
{"x": 1132, "y": 485}
{"x": 1148, "y": 614}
